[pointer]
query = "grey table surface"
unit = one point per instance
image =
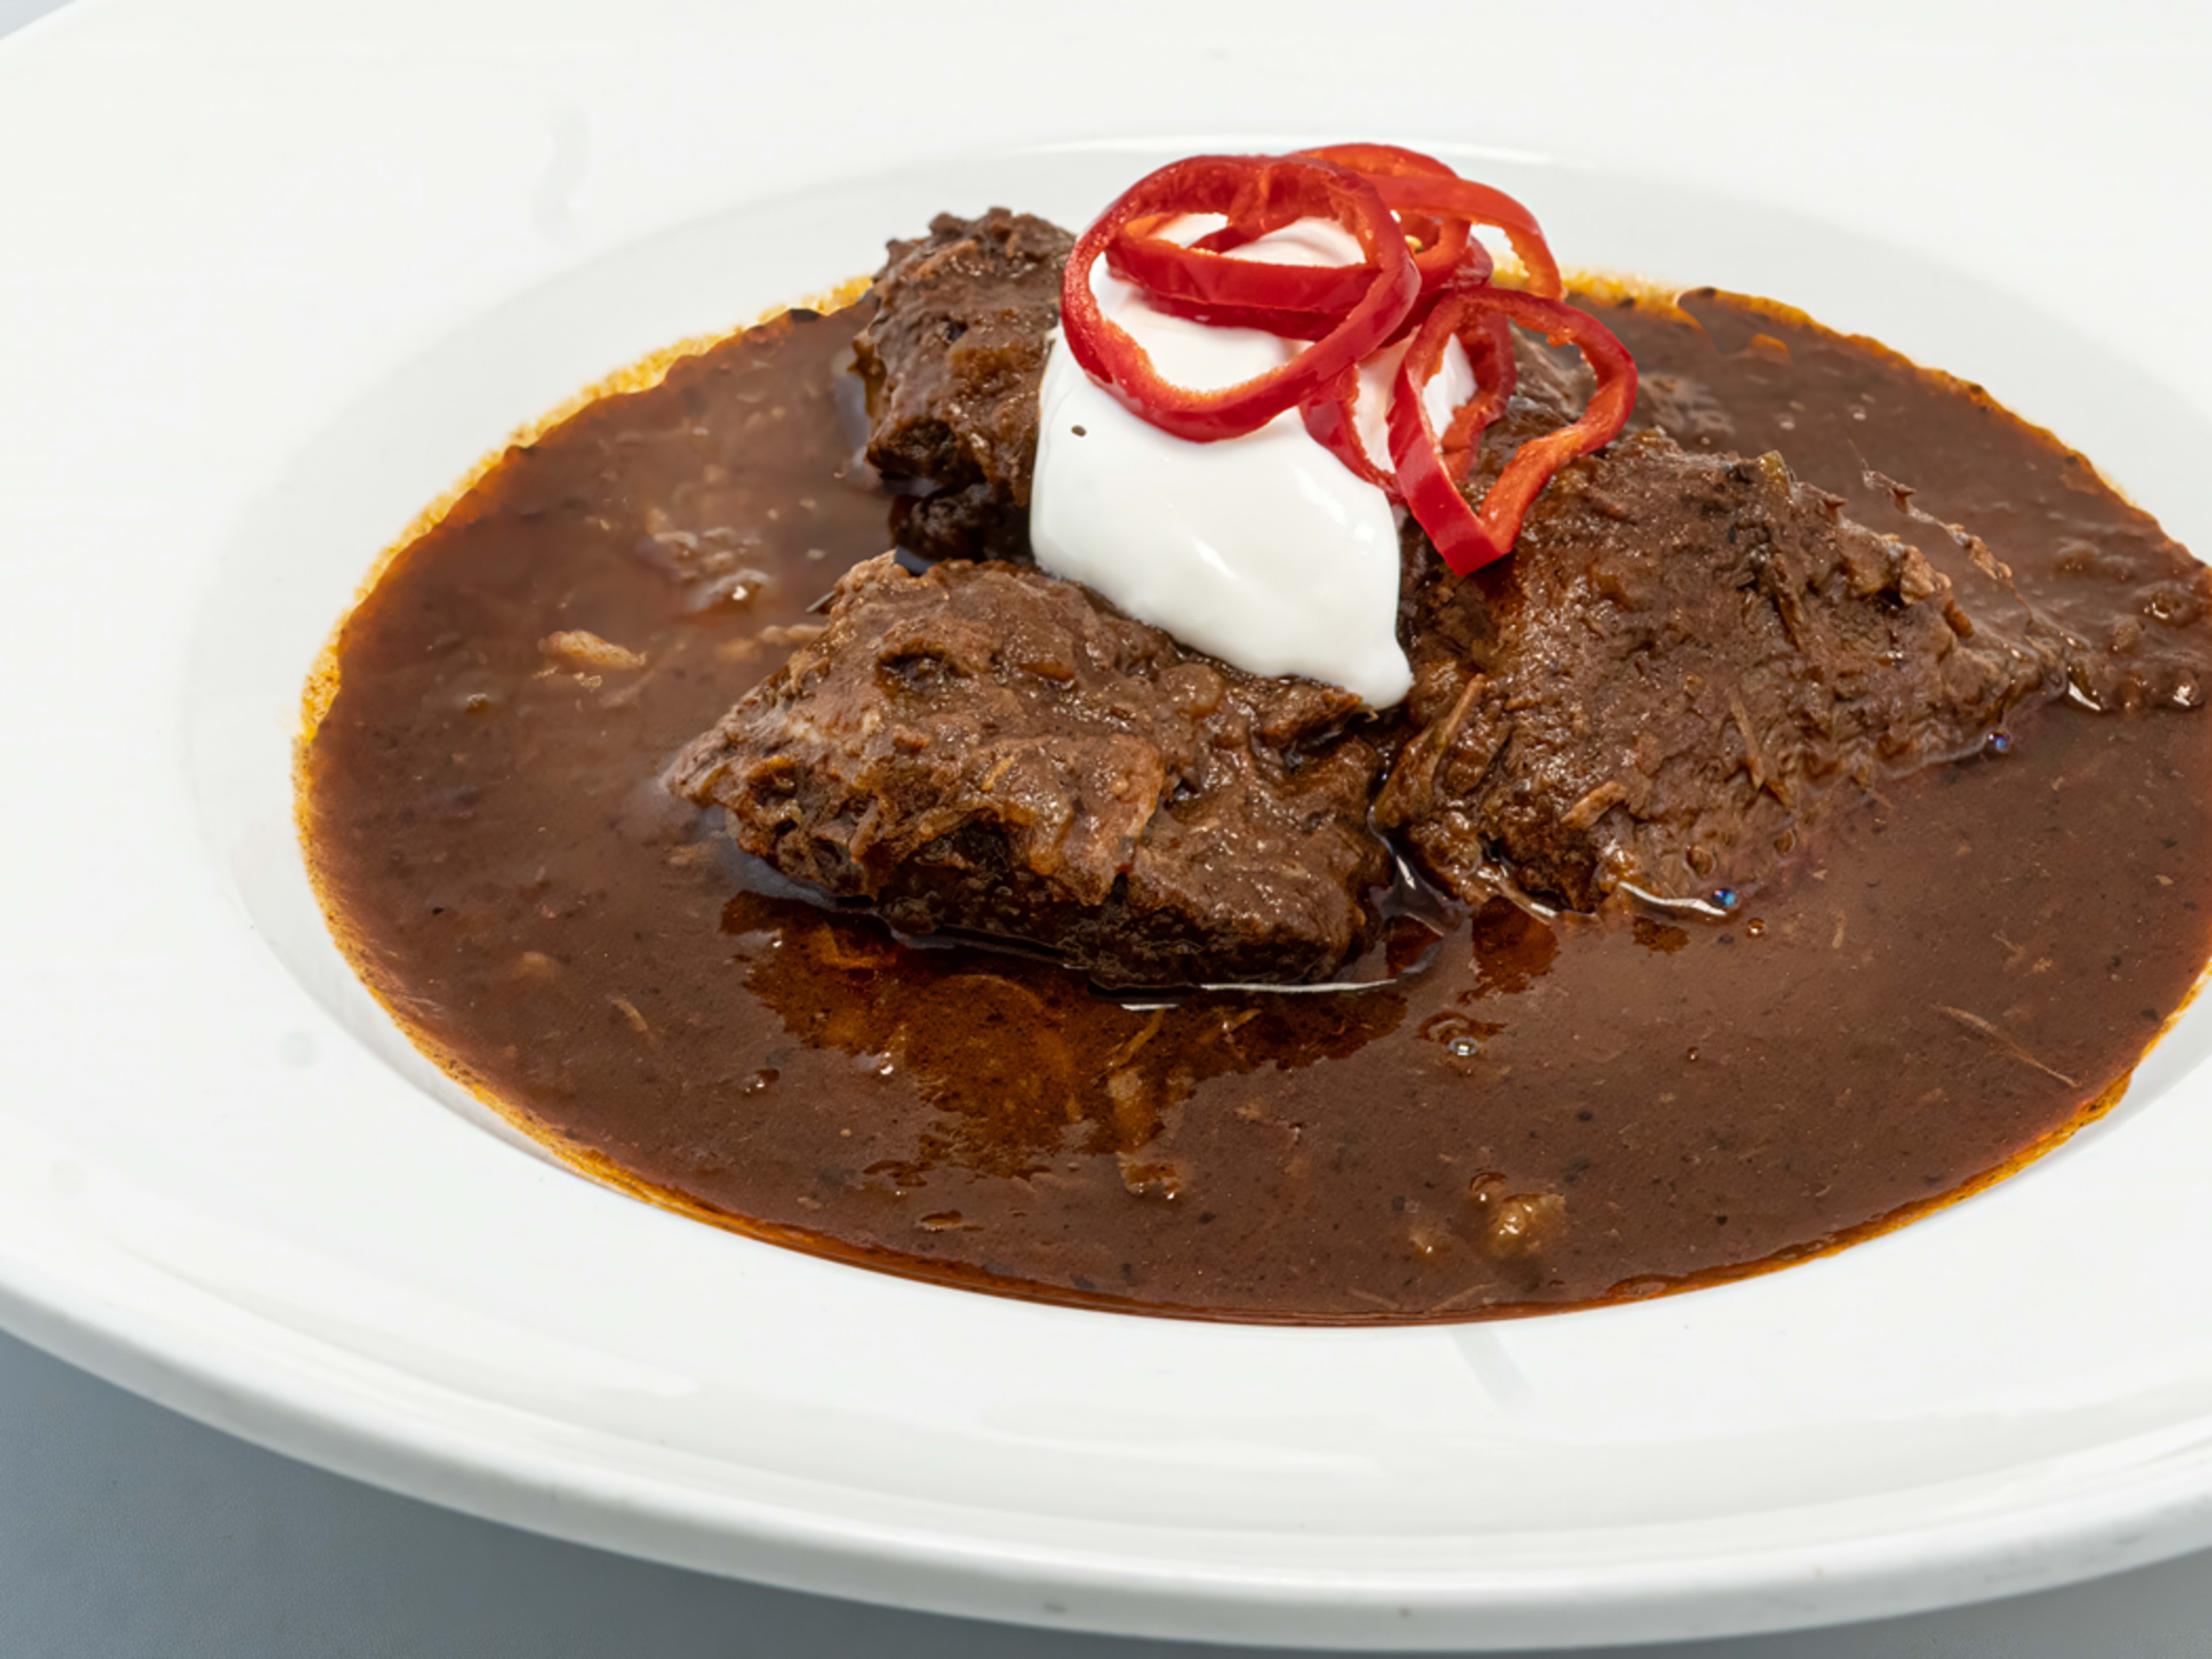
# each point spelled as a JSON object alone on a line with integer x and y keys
{"x": 128, "y": 1530}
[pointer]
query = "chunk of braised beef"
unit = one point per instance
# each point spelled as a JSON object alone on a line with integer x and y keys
{"x": 953, "y": 361}
{"x": 984, "y": 749}
{"x": 1686, "y": 659}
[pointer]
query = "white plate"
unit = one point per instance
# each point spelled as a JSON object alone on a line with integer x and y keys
{"x": 227, "y": 1182}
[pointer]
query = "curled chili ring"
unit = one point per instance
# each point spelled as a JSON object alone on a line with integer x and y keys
{"x": 1446, "y": 249}
{"x": 1332, "y": 420}
{"x": 1444, "y": 242}
{"x": 1246, "y": 190}
{"x": 1487, "y": 338}
{"x": 1469, "y": 538}
{"x": 1434, "y": 206}
{"x": 1290, "y": 325}
{"x": 1463, "y": 198}
{"x": 1331, "y": 416}
{"x": 1474, "y": 266}
{"x": 1195, "y": 279}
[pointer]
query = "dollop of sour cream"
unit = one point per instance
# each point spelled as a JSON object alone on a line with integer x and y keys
{"x": 1263, "y": 550}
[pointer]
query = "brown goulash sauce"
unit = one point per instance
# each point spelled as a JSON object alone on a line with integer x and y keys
{"x": 1549, "y": 1114}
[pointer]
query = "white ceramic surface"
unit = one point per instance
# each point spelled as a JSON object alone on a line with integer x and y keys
{"x": 225, "y": 1181}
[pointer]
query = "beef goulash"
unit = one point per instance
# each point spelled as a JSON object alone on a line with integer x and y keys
{"x": 985, "y": 748}
{"x": 1799, "y": 814}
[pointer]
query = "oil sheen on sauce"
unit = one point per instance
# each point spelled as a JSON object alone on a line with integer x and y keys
{"x": 1550, "y": 1114}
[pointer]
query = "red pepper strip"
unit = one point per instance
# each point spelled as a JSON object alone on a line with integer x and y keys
{"x": 1474, "y": 269}
{"x": 1290, "y": 325}
{"x": 1462, "y": 198}
{"x": 1332, "y": 415}
{"x": 1259, "y": 189}
{"x": 1444, "y": 241}
{"x": 1469, "y": 538}
{"x": 1183, "y": 280}
{"x": 1467, "y": 258}
{"x": 1489, "y": 345}
{"x": 1425, "y": 192}
{"x": 1196, "y": 280}
{"x": 1332, "y": 420}
{"x": 1445, "y": 238}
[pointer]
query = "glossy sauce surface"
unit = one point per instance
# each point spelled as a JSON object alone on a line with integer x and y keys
{"x": 1546, "y": 1114}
